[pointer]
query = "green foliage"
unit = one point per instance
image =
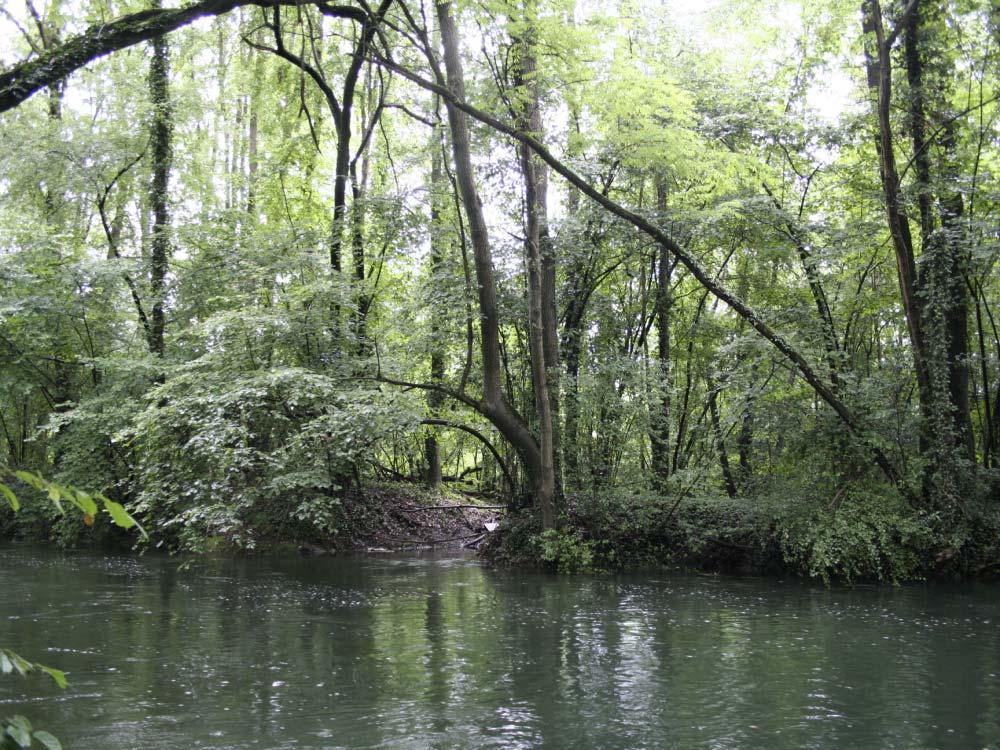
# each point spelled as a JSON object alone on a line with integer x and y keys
{"x": 566, "y": 551}
{"x": 861, "y": 533}
{"x": 238, "y": 456}
{"x": 16, "y": 732}
{"x": 11, "y": 662}
{"x": 745, "y": 134}
{"x": 84, "y": 502}
{"x": 605, "y": 531}
{"x": 88, "y": 504}
{"x": 865, "y": 533}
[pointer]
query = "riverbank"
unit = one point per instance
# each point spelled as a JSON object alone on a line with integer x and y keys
{"x": 861, "y": 536}
{"x": 389, "y": 517}
{"x": 857, "y": 536}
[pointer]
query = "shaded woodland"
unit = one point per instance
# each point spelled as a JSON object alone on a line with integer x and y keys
{"x": 713, "y": 285}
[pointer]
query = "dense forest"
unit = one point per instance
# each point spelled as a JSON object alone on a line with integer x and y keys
{"x": 704, "y": 282}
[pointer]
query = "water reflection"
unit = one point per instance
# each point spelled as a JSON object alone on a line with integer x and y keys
{"x": 443, "y": 653}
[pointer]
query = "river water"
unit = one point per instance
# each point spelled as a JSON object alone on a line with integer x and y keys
{"x": 425, "y": 652}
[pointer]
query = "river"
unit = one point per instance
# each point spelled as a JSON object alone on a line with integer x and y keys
{"x": 442, "y": 652}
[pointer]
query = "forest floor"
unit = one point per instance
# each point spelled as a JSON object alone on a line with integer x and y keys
{"x": 389, "y": 518}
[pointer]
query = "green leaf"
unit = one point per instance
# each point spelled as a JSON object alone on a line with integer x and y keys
{"x": 19, "y": 730}
{"x": 22, "y": 665}
{"x": 56, "y": 674}
{"x": 48, "y": 740}
{"x": 6, "y": 665}
{"x": 28, "y": 478}
{"x": 11, "y": 497}
{"x": 86, "y": 503}
{"x": 118, "y": 514}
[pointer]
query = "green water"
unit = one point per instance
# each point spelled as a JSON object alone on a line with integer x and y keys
{"x": 444, "y": 653}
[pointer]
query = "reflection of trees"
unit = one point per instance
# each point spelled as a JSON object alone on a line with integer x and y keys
{"x": 448, "y": 655}
{"x": 437, "y": 659}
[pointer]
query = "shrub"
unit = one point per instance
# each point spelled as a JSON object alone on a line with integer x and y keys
{"x": 865, "y": 533}
{"x": 566, "y": 550}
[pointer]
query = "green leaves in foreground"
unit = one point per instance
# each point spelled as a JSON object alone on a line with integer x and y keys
{"x": 85, "y": 502}
{"x": 15, "y": 732}
{"x": 11, "y": 662}
{"x": 8, "y": 493}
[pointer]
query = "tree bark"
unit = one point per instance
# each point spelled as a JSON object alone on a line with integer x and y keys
{"x": 542, "y": 343}
{"x": 880, "y": 80}
{"x": 435, "y": 398}
{"x": 571, "y": 338}
{"x": 161, "y": 130}
{"x": 942, "y": 285}
{"x": 935, "y": 302}
{"x": 659, "y": 436}
{"x": 718, "y": 437}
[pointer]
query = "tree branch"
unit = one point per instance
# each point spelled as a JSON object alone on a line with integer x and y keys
{"x": 461, "y": 397}
{"x": 482, "y": 438}
{"x": 24, "y": 79}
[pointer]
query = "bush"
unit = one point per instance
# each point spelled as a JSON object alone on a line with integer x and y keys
{"x": 603, "y": 531}
{"x": 266, "y": 453}
{"x": 566, "y": 550}
{"x": 863, "y": 534}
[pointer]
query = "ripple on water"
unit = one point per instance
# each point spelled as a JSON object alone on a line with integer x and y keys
{"x": 419, "y": 652}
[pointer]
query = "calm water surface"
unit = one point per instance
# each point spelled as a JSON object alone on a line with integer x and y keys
{"x": 421, "y": 652}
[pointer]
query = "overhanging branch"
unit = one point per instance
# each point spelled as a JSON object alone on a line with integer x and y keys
{"x": 482, "y": 438}
{"x": 24, "y": 79}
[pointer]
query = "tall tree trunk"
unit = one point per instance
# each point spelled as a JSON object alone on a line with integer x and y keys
{"x": 988, "y": 407}
{"x": 435, "y": 398}
{"x": 744, "y": 439}
{"x": 253, "y": 136}
{"x": 494, "y": 406}
{"x": 572, "y": 338}
{"x": 718, "y": 437}
{"x": 161, "y": 153}
{"x": 359, "y": 209}
{"x": 358, "y": 188}
{"x": 942, "y": 287}
{"x": 880, "y": 81}
{"x": 542, "y": 338}
{"x": 342, "y": 116}
{"x": 935, "y": 303}
{"x": 659, "y": 437}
